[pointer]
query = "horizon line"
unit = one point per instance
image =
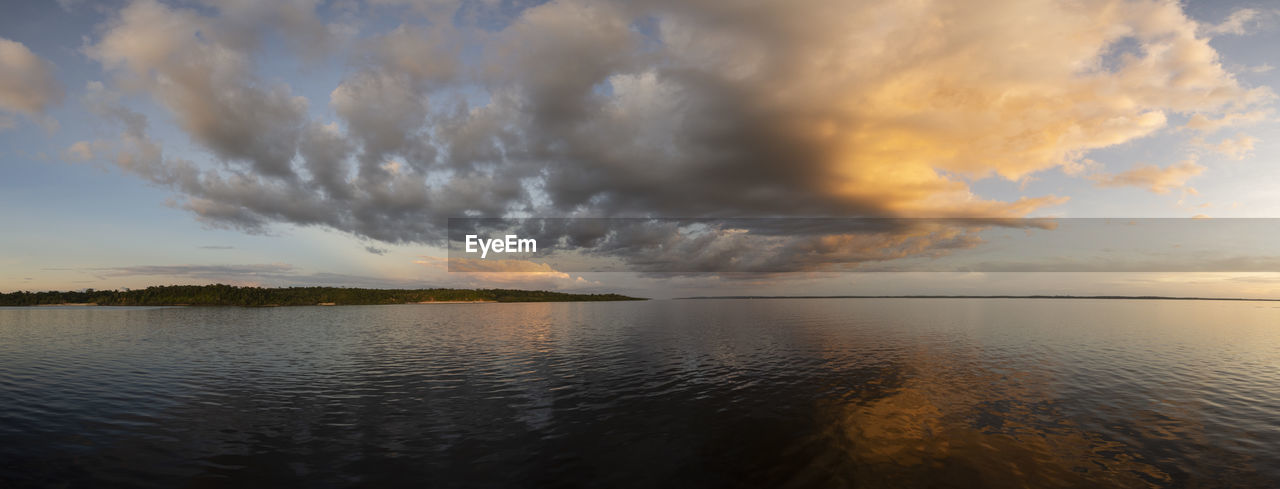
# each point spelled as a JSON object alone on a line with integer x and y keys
{"x": 1037, "y": 296}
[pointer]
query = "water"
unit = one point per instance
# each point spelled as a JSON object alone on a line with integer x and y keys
{"x": 715, "y": 393}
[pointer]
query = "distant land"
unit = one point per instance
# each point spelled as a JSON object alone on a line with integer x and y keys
{"x": 1126, "y": 297}
{"x": 229, "y": 295}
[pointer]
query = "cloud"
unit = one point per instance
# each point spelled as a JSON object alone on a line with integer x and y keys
{"x": 202, "y": 272}
{"x": 217, "y": 247}
{"x": 1151, "y": 177}
{"x": 270, "y": 275}
{"x": 134, "y": 151}
{"x": 27, "y": 84}
{"x": 80, "y": 151}
{"x": 1208, "y": 125}
{"x": 1238, "y": 148}
{"x": 786, "y": 245}
{"x": 1238, "y": 23}
{"x": 471, "y": 265}
{"x": 376, "y": 250}
{"x": 662, "y": 108}
{"x": 468, "y": 272}
{"x": 670, "y": 247}
{"x": 201, "y": 70}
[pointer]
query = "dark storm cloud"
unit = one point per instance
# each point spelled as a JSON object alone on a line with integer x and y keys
{"x": 706, "y": 245}
{"x": 779, "y": 245}
{"x": 656, "y": 108}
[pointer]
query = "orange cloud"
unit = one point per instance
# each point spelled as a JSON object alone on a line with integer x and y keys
{"x": 503, "y": 273}
{"x": 1208, "y": 125}
{"x": 1152, "y": 177}
{"x": 1238, "y": 148}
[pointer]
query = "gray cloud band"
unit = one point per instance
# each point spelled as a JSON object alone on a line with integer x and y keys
{"x": 775, "y": 245}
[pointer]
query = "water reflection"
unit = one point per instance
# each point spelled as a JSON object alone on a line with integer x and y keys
{"x": 817, "y": 393}
{"x": 972, "y": 427}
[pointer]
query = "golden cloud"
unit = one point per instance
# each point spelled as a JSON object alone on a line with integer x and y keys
{"x": 1157, "y": 179}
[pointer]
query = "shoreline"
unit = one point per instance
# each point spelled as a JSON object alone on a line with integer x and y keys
{"x": 466, "y": 302}
{"x": 321, "y": 304}
{"x": 222, "y": 295}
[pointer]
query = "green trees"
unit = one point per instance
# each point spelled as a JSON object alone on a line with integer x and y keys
{"x": 229, "y": 295}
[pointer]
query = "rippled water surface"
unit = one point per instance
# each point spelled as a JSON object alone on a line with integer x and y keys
{"x": 711, "y": 393}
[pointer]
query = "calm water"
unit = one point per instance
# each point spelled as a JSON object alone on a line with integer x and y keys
{"x": 717, "y": 393}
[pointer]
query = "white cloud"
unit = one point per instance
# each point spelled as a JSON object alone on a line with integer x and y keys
{"x": 27, "y": 83}
{"x": 1238, "y": 23}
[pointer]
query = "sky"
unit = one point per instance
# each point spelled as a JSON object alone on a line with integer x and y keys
{"x": 306, "y": 142}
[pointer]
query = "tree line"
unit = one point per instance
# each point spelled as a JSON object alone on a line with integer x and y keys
{"x": 230, "y": 295}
